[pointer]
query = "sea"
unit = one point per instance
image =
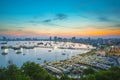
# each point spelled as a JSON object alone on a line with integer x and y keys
{"x": 37, "y": 54}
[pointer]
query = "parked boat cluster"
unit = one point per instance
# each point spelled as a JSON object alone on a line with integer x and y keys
{"x": 18, "y": 45}
{"x": 47, "y": 44}
{"x": 78, "y": 63}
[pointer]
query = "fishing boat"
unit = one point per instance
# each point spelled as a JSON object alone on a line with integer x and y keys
{"x": 40, "y": 43}
{"x": 16, "y": 47}
{"x": 18, "y": 51}
{"x": 4, "y": 43}
{"x": 4, "y": 47}
{"x": 5, "y": 52}
{"x": 63, "y": 53}
{"x": 49, "y": 50}
{"x": 23, "y": 54}
{"x": 38, "y": 58}
{"x": 28, "y": 47}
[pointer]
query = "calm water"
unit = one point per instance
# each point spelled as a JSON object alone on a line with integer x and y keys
{"x": 34, "y": 54}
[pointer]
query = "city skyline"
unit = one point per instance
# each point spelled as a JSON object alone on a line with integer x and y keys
{"x": 64, "y": 18}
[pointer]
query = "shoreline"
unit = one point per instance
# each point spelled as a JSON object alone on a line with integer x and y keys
{"x": 76, "y": 64}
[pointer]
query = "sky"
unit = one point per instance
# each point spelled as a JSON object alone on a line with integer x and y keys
{"x": 65, "y": 18}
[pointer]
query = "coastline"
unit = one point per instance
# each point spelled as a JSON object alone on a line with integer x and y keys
{"x": 76, "y": 64}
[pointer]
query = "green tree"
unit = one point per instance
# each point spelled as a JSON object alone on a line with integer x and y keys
{"x": 65, "y": 77}
{"x": 35, "y": 72}
{"x": 2, "y": 73}
{"x": 88, "y": 71}
{"x": 90, "y": 77}
{"x": 22, "y": 77}
{"x": 111, "y": 74}
{"x": 12, "y": 71}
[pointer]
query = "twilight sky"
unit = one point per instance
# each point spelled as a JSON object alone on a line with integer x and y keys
{"x": 66, "y": 18}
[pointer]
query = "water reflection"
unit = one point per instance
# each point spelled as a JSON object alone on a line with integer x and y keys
{"x": 36, "y": 54}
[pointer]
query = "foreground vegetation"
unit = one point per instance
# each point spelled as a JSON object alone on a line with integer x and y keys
{"x": 111, "y": 74}
{"x": 32, "y": 71}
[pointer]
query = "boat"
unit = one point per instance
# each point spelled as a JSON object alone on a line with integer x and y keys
{"x": 16, "y": 48}
{"x": 53, "y": 69}
{"x": 5, "y": 52}
{"x": 28, "y": 47}
{"x": 40, "y": 43}
{"x": 4, "y": 47}
{"x": 10, "y": 62}
{"x": 49, "y": 50}
{"x": 4, "y": 43}
{"x": 18, "y": 51}
{"x": 38, "y": 58}
{"x": 63, "y": 53}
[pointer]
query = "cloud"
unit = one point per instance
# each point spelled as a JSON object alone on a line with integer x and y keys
{"x": 108, "y": 27}
{"x": 57, "y": 17}
{"x": 104, "y": 19}
{"x": 20, "y": 27}
{"x": 2, "y": 30}
{"x": 79, "y": 27}
{"x": 19, "y": 30}
{"x": 52, "y": 24}
{"x": 32, "y": 21}
{"x": 117, "y": 25}
{"x": 60, "y": 17}
{"x": 47, "y": 20}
